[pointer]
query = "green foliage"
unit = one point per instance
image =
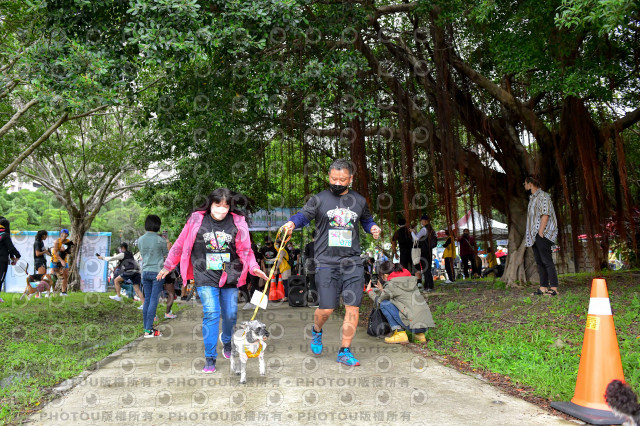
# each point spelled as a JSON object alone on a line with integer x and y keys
{"x": 46, "y": 341}
{"x": 536, "y": 343}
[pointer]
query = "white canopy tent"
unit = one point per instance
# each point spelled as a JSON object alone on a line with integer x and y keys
{"x": 478, "y": 225}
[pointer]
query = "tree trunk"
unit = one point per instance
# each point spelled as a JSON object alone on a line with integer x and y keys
{"x": 78, "y": 229}
{"x": 521, "y": 266}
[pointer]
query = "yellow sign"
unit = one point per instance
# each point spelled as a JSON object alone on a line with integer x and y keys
{"x": 593, "y": 322}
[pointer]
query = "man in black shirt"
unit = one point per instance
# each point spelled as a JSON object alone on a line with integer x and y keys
{"x": 402, "y": 239}
{"x": 339, "y": 271}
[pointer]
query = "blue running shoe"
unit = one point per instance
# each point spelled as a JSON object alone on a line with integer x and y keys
{"x": 316, "y": 341}
{"x": 346, "y": 357}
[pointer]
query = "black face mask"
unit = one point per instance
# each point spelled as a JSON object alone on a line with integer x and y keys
{"x": 337, "y": 189}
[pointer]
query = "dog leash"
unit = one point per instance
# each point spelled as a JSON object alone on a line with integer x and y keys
{"x": 286, "y": 236}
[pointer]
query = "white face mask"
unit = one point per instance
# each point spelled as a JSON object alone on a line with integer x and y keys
{"x": 219, "y": 212}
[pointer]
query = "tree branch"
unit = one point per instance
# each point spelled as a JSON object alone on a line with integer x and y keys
{"x": 12, "y": 85}
{"x": 13, "y": 120}
{"x": 628, "y": 120}
{"x": 20, "y": 158}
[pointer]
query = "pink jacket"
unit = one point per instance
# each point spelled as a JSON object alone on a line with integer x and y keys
{"x": 181, "y": 250}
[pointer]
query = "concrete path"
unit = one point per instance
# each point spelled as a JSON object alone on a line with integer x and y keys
{"x": 158, "y": 381}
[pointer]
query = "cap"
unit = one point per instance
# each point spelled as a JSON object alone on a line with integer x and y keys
{"x": 65, "y": 230}
{"x": 425, "y": 217}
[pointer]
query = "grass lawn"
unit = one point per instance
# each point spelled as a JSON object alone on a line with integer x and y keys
{"x": 45, "y": 341}
{"x": 532, "y": 342}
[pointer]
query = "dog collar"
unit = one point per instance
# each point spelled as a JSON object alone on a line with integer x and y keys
{"x": 251, "y": 354}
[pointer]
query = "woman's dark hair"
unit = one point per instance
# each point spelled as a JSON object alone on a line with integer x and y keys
{"x": 125, "y": 246}
{"x": 41, "y": 235}
{"x": 152, "y": 223}
{"x": 5, "y": 222}
{"x": 238, "y": 203}
{"x": 388, "y": 267}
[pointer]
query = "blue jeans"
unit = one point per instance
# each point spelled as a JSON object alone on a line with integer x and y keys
{"x": 392, "y": 314}
{"x": 216, "y": 301}
{"x": 151, "y": 289}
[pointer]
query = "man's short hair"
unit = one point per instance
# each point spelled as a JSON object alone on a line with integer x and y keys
{"x": 402, "y": 221}
{"x": 342, "y": 164}
{"x": 125, "y": 246}
{"x": 152, "y": 223}
{"x": 533, "y": 179}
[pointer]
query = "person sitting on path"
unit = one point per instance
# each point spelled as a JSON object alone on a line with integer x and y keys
{"x": 339, "y": 270}
{"x": 214, "y": 248}
{"x": 402, "y": 304}
{"x": 39, "y": 282}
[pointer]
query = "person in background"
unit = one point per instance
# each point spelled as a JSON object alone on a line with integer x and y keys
{"x": 153, "y": 251}
{"x": 468, "y": 252}
{"x": 269, "y": 254}
{"x": 436, "y": 266}
{"x": 39, "y": 250}
{"x": 8, "y": 252}
{"x": 492, "y": 264}
{"x": 449, "y": 255}
{"x": 254, "y": 281}
{"x": 427, "y": 241}
{"x": 40, "y": 281}
{"x": 284, "y": 267}
{"x": 402, "y": 240}
{"x": 541, "y": 234}
{"x": 401, "y": 303}
{"x": 128, "y": 269}
{"x": 59, "y": 259}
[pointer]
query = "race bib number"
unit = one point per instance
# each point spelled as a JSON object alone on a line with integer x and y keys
{"x": 340, "y": 238}
{"x": 216, "y": 261}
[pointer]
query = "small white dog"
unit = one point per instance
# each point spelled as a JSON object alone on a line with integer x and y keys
{"x": 248, "y": 341}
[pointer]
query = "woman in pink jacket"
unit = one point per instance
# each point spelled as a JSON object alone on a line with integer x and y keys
{"x": 214, "y": 250}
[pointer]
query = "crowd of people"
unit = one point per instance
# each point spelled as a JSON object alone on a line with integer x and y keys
{"x": 216, "y": 253}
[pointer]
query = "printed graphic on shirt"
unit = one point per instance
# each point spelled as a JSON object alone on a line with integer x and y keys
{"x": 344, "y": 218}
{"x": 216, "y": 243}
{"x": 217, "y": 240}
{"x": 341, "y": 218}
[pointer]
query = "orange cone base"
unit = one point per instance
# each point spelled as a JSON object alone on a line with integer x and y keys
{"x": 589, "y": 415}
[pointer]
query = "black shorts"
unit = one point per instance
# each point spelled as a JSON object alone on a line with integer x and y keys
{"x": 134, "y": 278}
{"x": 335, "y": 281}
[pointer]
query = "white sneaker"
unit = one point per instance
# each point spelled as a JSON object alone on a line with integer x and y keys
{"x": 64, "y": 294}
{"x": 116, "y": 298}
{"x": 140, "y": 307}
{"x": 247, "y": 306}
{"x": 448, "y": 282}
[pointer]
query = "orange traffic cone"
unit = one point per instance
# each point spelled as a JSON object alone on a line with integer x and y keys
{"x": 276, "y": 289}
{"x": 599, "y": 363}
